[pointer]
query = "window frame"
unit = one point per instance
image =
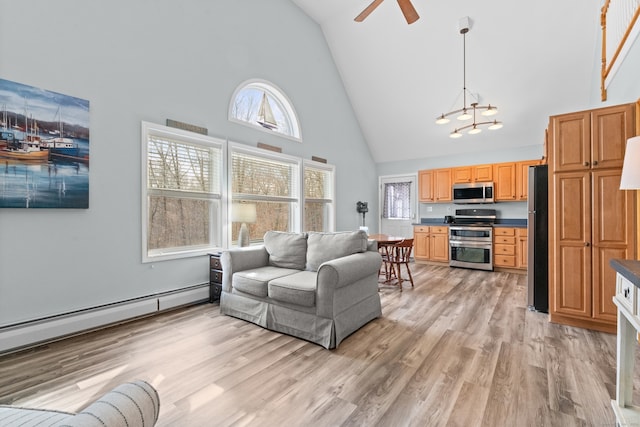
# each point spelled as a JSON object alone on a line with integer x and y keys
{"x": 279, "y": 95}
{"x": 332, "y": 211}
{"x": 216, "y": 228}
{"x": 296, "y": 202}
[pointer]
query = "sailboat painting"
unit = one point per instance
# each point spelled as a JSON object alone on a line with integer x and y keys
{"x": 44, "y": 148}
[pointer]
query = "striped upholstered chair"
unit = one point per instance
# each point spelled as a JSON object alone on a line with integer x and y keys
{"x": 133, "y": 404}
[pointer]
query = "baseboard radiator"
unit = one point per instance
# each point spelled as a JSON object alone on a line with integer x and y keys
{"x": 28, "y": 334}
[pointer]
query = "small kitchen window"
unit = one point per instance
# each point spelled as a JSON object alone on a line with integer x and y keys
{"x": 397, "y": 200}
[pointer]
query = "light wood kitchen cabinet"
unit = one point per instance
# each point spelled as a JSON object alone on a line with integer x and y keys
{"x": 507, "y": 247}
{"x": 522, "y": 178}
{"x": 477, "y": 173}
{"x": 511, "y": 180}
{"x": 431, "y": 243}
{"x": 594, "y": 139}
{"x": 439, "y": 244}
{"x": 522, "y": 249}
{"x": 591, "y": 219}
{"x": 434, "y": 185}
{"x": 421, "y": 242}
{"x": 505, "y": 181}
{"x": 504, "y": 247}
{"x": 425, "y": 186}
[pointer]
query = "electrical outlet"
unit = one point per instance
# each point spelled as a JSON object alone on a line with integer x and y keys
{"x": 429, "y": 208}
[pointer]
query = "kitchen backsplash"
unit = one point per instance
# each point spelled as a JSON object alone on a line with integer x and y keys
{"x": 514, "y": 210}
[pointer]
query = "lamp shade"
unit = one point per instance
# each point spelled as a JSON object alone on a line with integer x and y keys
{"x": 630, "y": 179}
{"x": 243, "y": 212}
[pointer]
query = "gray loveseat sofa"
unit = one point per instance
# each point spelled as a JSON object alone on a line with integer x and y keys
{"x": 320, "y": 287}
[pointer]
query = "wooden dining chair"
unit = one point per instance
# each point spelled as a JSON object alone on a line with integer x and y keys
{"x": 386, "y": 268}
{"x": 400, "y": 254}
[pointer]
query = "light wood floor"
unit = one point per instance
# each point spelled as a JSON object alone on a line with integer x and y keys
{"x": 460, "y": 349}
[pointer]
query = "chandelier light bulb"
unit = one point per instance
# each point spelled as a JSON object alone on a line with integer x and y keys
{"x": 455, "y": 134}
{"x": 465, "y": 115}
{"x": 474, "y": 130}
{"x": 496, "y": 125}
{"x": 490, "y": 111}
{"x": 442, "y": 120}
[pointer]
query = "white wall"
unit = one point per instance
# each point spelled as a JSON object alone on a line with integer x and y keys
{"x": 151, "y": 60}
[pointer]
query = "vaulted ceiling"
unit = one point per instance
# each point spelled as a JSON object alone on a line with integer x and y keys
{"x": 531, "y": 59}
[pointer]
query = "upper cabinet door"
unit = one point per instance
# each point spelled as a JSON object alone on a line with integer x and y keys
{"x": 505, "y": 181}
{"x": 483, "y": 173}
{"x": 462, "y": 175}
{"x": 425, "y": 186}
{"x": 571, "y": 147}
{"x": 522, "y": 178}
{"x": 442, "y": 185}
{"x": 611, "y": 127}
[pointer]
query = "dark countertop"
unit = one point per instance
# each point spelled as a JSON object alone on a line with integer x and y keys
{"x": 629, "y": 268}
{"x": 509, "y": 222}
{"x": 500, "y": 222}
{"x": 431, "y": 221}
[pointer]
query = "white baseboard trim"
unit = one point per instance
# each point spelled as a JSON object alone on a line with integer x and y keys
{"x": 13, "y": 338}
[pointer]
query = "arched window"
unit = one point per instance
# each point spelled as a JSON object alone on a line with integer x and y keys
{"x": 263, "y": 105}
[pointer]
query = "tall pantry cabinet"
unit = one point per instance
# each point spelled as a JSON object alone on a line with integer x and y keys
{"x": 591, "y": 220}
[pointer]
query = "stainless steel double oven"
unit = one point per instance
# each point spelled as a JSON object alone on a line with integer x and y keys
{"x": 471, "y": 239}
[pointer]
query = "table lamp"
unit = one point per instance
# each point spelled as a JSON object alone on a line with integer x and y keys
{"x": 630, "y": 179}
{"x": 244, "y": 213}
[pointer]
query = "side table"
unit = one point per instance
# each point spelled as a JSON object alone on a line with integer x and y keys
{"x": 215, "y": 276}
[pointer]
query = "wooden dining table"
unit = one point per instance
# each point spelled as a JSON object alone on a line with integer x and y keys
{"x": 384, "y": 241}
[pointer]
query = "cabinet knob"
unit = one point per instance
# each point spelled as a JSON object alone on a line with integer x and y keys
{"x": 587, "y": 244}
{"x": 595, "y": 163}
{"x": 586, "y": 163}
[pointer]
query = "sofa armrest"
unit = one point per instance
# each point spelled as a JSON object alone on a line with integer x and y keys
{"x": 134, "y": 404}
{"x": 240, "y": 259}
{"x": 341, "y": 272}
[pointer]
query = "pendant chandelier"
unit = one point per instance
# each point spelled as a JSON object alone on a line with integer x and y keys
{"x": 470, "y": 111}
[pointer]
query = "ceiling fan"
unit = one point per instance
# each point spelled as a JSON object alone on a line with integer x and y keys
{"x": 407, "y": 8}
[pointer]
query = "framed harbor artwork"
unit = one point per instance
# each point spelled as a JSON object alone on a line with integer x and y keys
{"x": 44, "y": 148}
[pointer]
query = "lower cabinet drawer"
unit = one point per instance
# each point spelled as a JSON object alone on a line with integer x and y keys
{"x": 505, "y": 240}
{"x": 215, "y": 276}
{"x": 504, "y": 249}
{"x": 215, "y": 263}
{"x": 214, "y": 292}
{"x": 504, "y": 260}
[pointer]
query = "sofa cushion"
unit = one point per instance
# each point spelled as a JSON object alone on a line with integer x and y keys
{"x": 286, "y": 250}
{"x": 298, "y": 289}
{"x": 255, "y": 281}
{"x": 323, "y": 247}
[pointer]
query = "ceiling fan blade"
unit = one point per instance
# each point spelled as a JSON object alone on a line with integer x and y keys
{"x": 368, "y": 10}
{"x": 408, "y": 11}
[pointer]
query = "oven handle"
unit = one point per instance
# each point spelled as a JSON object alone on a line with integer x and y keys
{"x": 462, "y": 244}
{"x": 469, "y": 227}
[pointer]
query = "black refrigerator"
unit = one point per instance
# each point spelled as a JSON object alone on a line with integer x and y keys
{"x": 538, "y": 240}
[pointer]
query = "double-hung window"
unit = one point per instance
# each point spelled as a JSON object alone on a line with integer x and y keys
{"x": 183, "y": 178}
{"x": 319, "y": 190}
{"x": 268, "y": 181}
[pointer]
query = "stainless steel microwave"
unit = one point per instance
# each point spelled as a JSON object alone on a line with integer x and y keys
{"x": 475, "y": 192}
